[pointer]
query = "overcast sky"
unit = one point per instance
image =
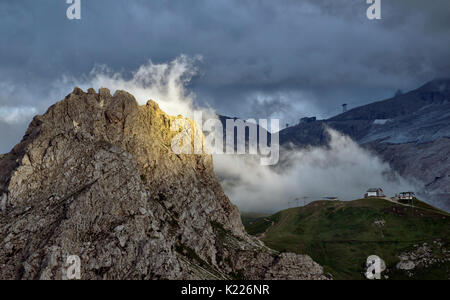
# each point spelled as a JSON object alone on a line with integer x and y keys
{"x": 260, "y": 58}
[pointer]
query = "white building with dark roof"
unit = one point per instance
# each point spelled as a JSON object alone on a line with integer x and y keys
{"x": 374, "y": 192}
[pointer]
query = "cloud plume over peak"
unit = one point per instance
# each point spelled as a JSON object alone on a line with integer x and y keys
{"x": 164, "y": 82}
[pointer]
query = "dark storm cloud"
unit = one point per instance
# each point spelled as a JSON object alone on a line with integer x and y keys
{"x": 260, "y": 57}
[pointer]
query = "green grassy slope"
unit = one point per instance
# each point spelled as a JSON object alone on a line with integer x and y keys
{"x": 250, "y": 218}
{"x": 341, "y": 235}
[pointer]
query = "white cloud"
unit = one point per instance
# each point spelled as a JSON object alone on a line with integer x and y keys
{"x": 163, "y": 82}
{"x": 344, "y": 170}
{"x": 15, "y": 115}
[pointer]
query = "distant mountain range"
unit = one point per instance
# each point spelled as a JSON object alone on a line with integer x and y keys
{"x": 410, "y": 131}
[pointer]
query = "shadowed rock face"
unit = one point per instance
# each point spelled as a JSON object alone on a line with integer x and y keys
{"x": 95, "y": 177}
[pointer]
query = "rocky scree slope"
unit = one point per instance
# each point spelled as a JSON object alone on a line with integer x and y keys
{"x": 95, "y": 177}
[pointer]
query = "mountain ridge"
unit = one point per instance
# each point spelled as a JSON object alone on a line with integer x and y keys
{"x": 434, "y": 91}
{"x": 411, "y": 131}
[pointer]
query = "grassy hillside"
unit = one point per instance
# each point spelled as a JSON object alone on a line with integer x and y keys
{"x": 341, "y": 235}
{"x": 249, "y": 218}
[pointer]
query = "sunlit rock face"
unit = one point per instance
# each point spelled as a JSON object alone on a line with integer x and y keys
{"x": 95, "y": 177}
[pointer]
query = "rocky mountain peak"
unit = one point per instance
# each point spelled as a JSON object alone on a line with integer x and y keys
{"x": 95, "y": 177}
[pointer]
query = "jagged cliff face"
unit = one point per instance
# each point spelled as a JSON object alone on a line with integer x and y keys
{"x": 95, "y": 177}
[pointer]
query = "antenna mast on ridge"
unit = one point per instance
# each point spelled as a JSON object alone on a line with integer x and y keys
{"x": 344, "y": 107}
